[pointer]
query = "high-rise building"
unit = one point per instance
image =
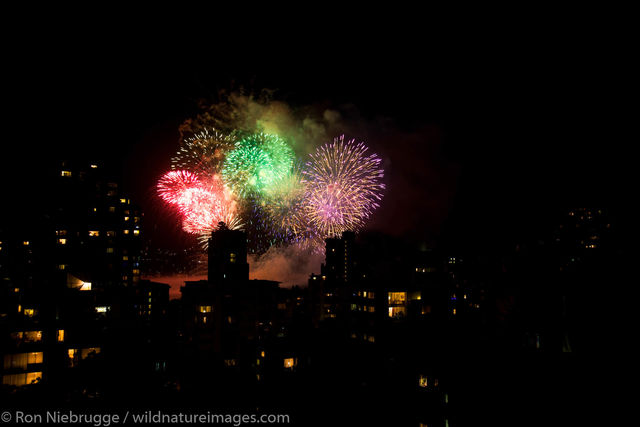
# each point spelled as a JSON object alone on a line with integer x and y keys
{"x": 66, "y": 274}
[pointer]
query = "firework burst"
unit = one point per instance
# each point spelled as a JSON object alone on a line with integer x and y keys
{"x": 283, "y": 205}
{"x": 202, "y": 202}
{"x": 256, "y": 163}
{"x": 343, "y": 187}
{"x": 203, "y": 153}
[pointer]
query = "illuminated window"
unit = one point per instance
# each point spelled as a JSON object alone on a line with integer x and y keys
{"x": 26, "y": 336}
{"x": 397, "y": 312}
{"x": 94, "y": 166}
{"x": 232, "y": 257}
{"x": 415, "y": 296}
{"x": 125, "y": 231}
{"x": 61, "y": 232}
{"x": 454, "y": 311}
{"x": 398, "y": 298}
{"x": 109, "y": 250}
{"x": 22, "y": 379}
{"x": 26, "y": 243}
{"x": 87, "y": 352}
{"x": 65, "y": 173}
{"x": 230, "y": 362}
{"x": 60, "y": 335}
{"x": 86, "y": 286}
{"x": 111, "y": 233}
{"x": 29, "y": 312}
{"x": 126, "y": 218}
{"x": 371, "y": 309}
{"x": 290, "y": 362}
{"x": 423, "y": 381}
{"x": 123, "y": 200}
{"x": 205, "y": 308}
{"x": 136, "y": 232}
{"x": 62, "y": 241}
{"x": 371, "y": 295}
{"x": 16, "y": 290}
{"x": 136, "y": 219}
{"x": 371, "y": 338}
{"x": 262, "y": 353}
{"x": 34, "y": 357}
{"x": 112, "y": 209}
{"x": 125, "y": 258}
{"x": 94, "y": 233}
{"x": 102, "y": 309}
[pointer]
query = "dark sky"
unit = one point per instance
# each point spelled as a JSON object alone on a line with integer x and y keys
{"x": 528, "y": 128}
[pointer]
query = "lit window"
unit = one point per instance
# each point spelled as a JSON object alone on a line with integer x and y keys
{"x": 26, "y": 243}
{"x": 397, "y": 312}
{"x": 102, "y": 309}
{"x": 136, "y": 232}
{"x": 136, "y": 271}
{"x": 262, "y": 353}
{"x": 397, "y": 298}
{"x": 34, "y": 357}
{"x": 60, "y": 335}
{"x": 94, "y": 233}
{"x": 125, "y": 231}
{"x": 136, "y": 219}
{"x": 16, "y": 290}
{"x": 111, "y": 233}
{"x": 232, "y": 258}
{"x": 290, "y": 362}
{"x": 62, "y": 241}
{"x": 86, "y": 286}
{"x": 109, "y": 250}
{"x": 93, "y": 166}
{"x": 65, "y": 173}
{"x": 123, "y": 200}
{"x": 125, "y": 258}
{"x": 112, "y": 209}
{"x": 454, "y": 312}
{"x": 230, "y": 362}
{"x": 29, "y": 312}
{"x": 205, "y": 309}
{"x": 61, "y": 232}
{"x": 423, "y": 381}
{"x": 126, "y": 218}
{"x": 371, "y": 309}
{"x": 86, "y": 352}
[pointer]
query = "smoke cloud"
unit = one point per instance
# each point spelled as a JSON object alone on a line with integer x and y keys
{"x": 289, "y": 265}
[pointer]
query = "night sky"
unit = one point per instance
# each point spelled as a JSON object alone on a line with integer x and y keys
{"x": 482, "y": 140}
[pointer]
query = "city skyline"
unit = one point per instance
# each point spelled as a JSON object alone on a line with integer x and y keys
{"x": 482, "y": 282}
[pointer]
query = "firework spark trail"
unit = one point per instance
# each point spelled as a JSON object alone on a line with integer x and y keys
{"x": 203, "y": 153}
{"x": 256, "y": 163}
{"x": 284, "y": 202}
{"x": 343, "y": 187}
{"x": 173, "y": 184}
{"x": 202, "y": 203}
